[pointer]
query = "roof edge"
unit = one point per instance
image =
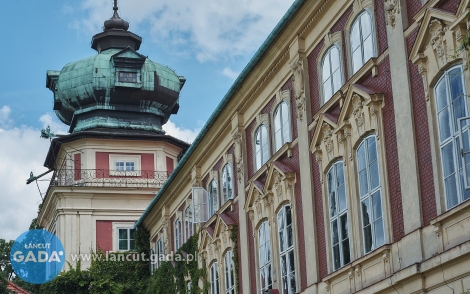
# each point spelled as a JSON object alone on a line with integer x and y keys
{"x": 227, "y": 98}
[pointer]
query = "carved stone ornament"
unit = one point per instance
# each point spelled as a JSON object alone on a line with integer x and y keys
{"x": 224, "y": 236}
{"x": 392, "y": 9}
{"x": 437, "y": 32}
{"x": 299, "y": 87}
{"x": 327, "y": 140}
{"x": 237, "y": 138}
{"x": 319, "y": 161}
{"x": 278, "y": 186}
{"x": 357, "y": 111}
{"x": 347, "y": 135}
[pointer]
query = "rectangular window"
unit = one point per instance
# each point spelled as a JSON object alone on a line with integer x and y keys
{"x": 160, "y": 252}
{"x": 286, "y": 250}
{"x": 370, "y": 193}
{"x": 126, "y": 239}
{"x": 124, "y": 166}
{"x": 127, "y": 77}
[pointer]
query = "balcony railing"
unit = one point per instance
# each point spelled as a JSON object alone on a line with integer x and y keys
{"x": 107, "y": 178}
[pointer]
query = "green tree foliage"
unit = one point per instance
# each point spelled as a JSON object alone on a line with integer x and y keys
{"x": 5, "y": 265}
{"x": 3, "y": 284}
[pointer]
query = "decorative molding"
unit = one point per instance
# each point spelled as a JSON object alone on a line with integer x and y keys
{"x": 437, "y": 31}
{"x": 298, "y": 80}
{"x": 347, "y": 135}
{"x": 358, "y": 104}
{"x": 423, "y": 71}
{"x": 319, "y": 161}
{"x": 278, "y": 185}
{"x": 327, "y": 140}
{"x": 238, "y": 139}
{"x": 392, "y": 11}
{"x": 374, "y": 113}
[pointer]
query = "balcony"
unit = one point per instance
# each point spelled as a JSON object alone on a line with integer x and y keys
{"x": 107, "y": 178}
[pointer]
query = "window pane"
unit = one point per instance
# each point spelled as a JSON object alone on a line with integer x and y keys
{"x": 122, "y": 244}
{"x": 366, "y": 219}
{"x": 280, "y": 219}
{"x": 367, "y": 238}
{"x": 283, "y": 265}
{"x": 291, "y": 261}
{"x": 361, "y": 157}
{"x": 379, "y": 232}
{"x": 372, "y": 150}
{"x": 456, "y": 87}
{"x": 441, "y": 95}
{"x": 286, "y": 132}
{"x": 368, "y": 49}
{"x": 465, "y": 192}
{"x": 132, "y": 244}
{"x": 366, "y": 25}
{"x": 288, "y": 215}
{"x": 451, "y": 191}
{"x": 377, "y": 205}
{"x": 277, "y": 120}
{"x": 374, "y": 175}
{"x": 355, "y": 36}
{"x": 339, "y": 174}
{"x": 290, "y": 237}
{"x": 332, "y": 204}
{"x": 336, "y": 258}
{"x": 459, "y": 111}
{"x": 447, "y": 153}
{"x": 444, "y": 124}
{"x": 334, "y": 55}
{"x": 344, "y": 226}
{"x": 337, "y": 83}
{"x": 357, "y": 59}
{"x": 341, "y": 198}
{"x": 346, "y": 252}
{"x": 268, "y": 275}
{"x": 262, "y": 255}
{"x": 123, "y": 234}
{"x": 327, "y": 90}
{"x": 278, "y": 140}
{"x": 364, "y": 186}
{"x": 326, "y": 72}
{"x": 263, "y": 279}
{"x": 334, "y": 229}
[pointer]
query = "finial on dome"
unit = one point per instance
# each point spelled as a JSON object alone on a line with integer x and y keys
{"x": 115, "y": 22}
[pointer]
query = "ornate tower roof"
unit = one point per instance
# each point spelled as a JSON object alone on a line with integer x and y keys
{"x": 118, "y": 88}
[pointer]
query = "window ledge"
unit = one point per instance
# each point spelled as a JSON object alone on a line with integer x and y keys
{"x": 451, "y": 212}
{"x": 356, "y": 264}
{"x": 128, "y": 85}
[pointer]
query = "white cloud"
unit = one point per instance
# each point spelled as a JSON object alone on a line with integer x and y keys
{"x": 56, "y": 126}
{"x": 5, "y": 120}
{"x": 21, "y": 151}
{"x": 228, "y": 72}
{"x": 185, "y": 135}
{"x": 206, "y": 29}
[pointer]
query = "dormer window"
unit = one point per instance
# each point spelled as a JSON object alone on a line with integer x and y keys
{"x": 127, "y": 77}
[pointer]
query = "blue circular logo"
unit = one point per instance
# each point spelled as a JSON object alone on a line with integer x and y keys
{"x": 37, "y": 256}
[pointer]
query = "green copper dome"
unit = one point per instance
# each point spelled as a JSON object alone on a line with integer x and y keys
{"x": 117, "y": 88}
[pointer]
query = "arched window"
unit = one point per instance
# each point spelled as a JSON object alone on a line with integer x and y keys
{"x": 370, "y": 193}
{"x": 227, "y": 183}
{"x": 261, "y": 146}
{"x": 286, "y": 250}
{"x": 264, "y": 244}
{"x": 213, "y": 197}
{"x": 178, "y": 237}
{"x": 338, "y": 215}
{"x": 451, "y": 106}
{"x": 214, "y": 279}
{"x": 281, "y": 125}
{"x": 188, "y": 222}
{"x": 331, "y": 73}
{"x": 229, "y": 273}
{"x": 362, "y": 40}
{"x": 160, "y": 252}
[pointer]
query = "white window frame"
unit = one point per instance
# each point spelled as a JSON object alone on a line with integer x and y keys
{"x": 178, "y": 234}
{"x": 114, "y": 158}
{"x": 284, "y": 127}
{"x": 229, "y": 272}
{"x": 456, "y": 138}
{"x": 160, "y": 251}
{"x": 285, "y": 250}
{"x": 260, "y": 157}
{"x": 213, "y": 205}
{"x": 368, "y": 196}
{"x": 128, "y": 229}
{"x": 188, "y": 222}
{"x": 227, "y": 177}
{"x": 326, "y": 55}
{"x": 214, "y": 281}
{"x": 200, "y": 204}
{"x": 357, "y": 20}
{"x": 265, "y": 265}
{"x": 337, "y": 215}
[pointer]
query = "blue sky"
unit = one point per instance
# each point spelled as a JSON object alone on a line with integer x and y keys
{"x": 209, "y": 42}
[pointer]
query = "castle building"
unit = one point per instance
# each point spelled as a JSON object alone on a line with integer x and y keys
{"x": 116, "y": 157}
{"x": 339, "y": 154}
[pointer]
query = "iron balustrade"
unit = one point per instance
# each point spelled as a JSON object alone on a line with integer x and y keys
{"x": 108, "y": 178}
